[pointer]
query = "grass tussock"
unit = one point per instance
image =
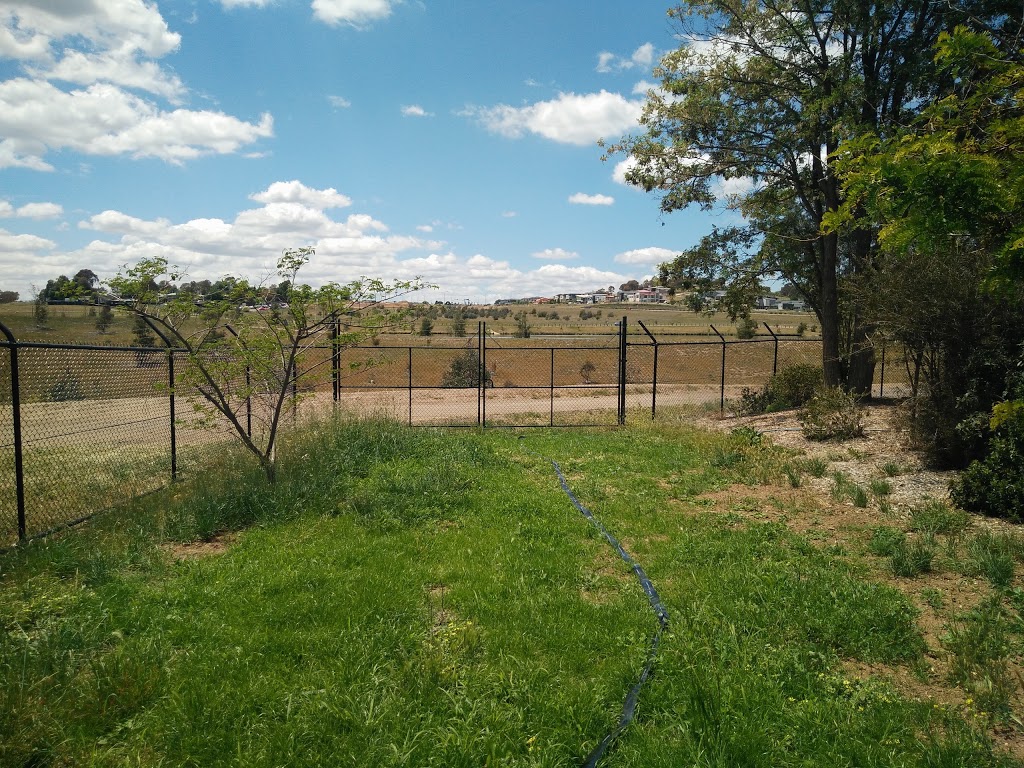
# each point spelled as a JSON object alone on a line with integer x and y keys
{"x": 417, "y": 597}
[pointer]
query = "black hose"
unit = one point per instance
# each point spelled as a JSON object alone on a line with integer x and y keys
{"x": 629, "y": 706}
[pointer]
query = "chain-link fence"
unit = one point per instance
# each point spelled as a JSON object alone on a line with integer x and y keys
{"x": 83, "y": 428}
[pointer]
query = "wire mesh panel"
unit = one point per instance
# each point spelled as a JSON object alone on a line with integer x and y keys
{"x": 95, "y": 429}
{"x": 799, "y": 352}
{"x": 748, "y": 366}
{"x": 689, "y": 376}
{"x": 444, "y": 386}
{"x": 8, "y": 481}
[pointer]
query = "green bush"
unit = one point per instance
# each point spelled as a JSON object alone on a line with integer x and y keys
{"x": 789, "y": 388}
{"x": 65, "y": 387}
{"x": 832, "y": 414}
{"x": 464, "y": 372}
{"x": 994, "y": 485}
{"x": 746, "y": 328}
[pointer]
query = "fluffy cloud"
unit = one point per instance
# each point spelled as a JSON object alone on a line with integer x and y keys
{"x": 354, "y": 12}
{"x": 570, "y": 119}
{"x": 583, "y": 199}
{"x": 339, "y": 102}
{"x": 642, "y": 57}
{"x": 296, "y": 192}
{"x": 415, "y": 110}
{"x": 40, "y": 211}
{"x": 555, "y": 254}
{"x": 107, "y": 51}
{"x": 622, "y": 168}
{"x": 645, "y": 256}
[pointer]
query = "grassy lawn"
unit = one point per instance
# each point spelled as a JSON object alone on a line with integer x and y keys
{"x": 421, "y": 597}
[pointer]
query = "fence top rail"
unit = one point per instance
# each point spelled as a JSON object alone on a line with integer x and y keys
{"x": 85, "y": 347}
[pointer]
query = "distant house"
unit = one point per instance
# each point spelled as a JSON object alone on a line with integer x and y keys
{"x": 797, "y": 306}
{"x": 644, "y": 296}
{"x": 766, "y": 302}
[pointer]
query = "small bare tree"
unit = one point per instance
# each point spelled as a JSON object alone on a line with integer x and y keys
{"x": 237, "y": 357}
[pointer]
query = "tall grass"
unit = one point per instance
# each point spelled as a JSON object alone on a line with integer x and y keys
{"x": 411, "y": 597}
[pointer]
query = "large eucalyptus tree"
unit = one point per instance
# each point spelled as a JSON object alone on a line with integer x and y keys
{"x": 753, "y": 106}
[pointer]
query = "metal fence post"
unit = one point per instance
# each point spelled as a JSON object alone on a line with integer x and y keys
{"x": 552, "y": 391}
{"x": 721, "y": 402}
{"x": 410, "y": 386}
{"x": 775, "y": 359}
{"x": 174, "y": 427}
{"x": 622, "y": 372}
{"x": 654, "y": 377}
{"x": 335, "y": 361}
{"x": 19, "y": 456}
{"x": 483, "y": 374}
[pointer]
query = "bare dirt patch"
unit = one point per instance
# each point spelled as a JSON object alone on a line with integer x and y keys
{"x": 197, "y": 550}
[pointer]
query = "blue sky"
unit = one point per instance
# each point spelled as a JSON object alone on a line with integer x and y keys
{"x": 450, "y": 140}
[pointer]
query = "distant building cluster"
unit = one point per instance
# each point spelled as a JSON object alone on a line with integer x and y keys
{"x": 656, "y": 295}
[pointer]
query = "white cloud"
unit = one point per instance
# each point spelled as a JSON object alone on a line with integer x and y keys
{"x": 6, "y": 209}
{"x": 245, "y": 3}
{"x": 415, "y": 110}
{"x": 296, "y": 192}
{"x": 108, "y": 52}
{"x": 643, "y": 86}
{"x": 339, "y": 102}
{"x": 571, "y": 118}
{"x": 622, "y": 168}
{"x": 11, "y": 243}
{"x": 40, "y": 211}
{"x": 642, "y": 57}
{"x": 555, "y": 254}
{"x": 583, "y": 199}
{"x": 730, "y": 190}
{"x": 509, "y": 214}
{"x": 356, "y": 13}
{"x": 645, "y": 256}
{"x": 426, "y": 228}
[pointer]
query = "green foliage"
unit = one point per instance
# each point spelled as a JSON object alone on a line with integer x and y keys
{"x": 40, "y": 309}
{"x": 522, "y": 330}
{"x": 791, "y": 387}
{"x": 426, "y": 326}
{"x": 234, "y": 361}
{"x": 912, "y": 557}
{"x": 464, "y": 372}
{"x": 936, "y": 517}
{"x": 458, "y": 323}
{"x": 8, "y": 297}
{"x": 886, "y": 540}
{"x": 979, "y": 645}
{"x": 994, "y": 486}
{"x": 65, "y": 386}
{"x": 993, "y": 555}
{"x": 746, "y": 328}
{"x": 105, "y": 318}
{"x": 832, "y": 414}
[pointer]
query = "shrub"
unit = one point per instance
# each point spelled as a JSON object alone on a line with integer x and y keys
{"x": 746, "y": 328}
{"x": 66, "y": 386}
{"x": 789, "y": 388}
{"x": 464, "y": 372}
{"x": 832, "y": 414}
{"x": 938, "y": 517}
{"x": 994, "y": 486}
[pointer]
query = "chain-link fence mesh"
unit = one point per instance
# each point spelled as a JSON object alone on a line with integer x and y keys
{"x": 103, "y": 424}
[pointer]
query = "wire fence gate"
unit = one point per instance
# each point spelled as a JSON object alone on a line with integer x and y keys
{"x": 84, "y": 428}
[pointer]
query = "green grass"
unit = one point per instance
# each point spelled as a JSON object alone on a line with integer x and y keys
{"x": 416, "y": 597}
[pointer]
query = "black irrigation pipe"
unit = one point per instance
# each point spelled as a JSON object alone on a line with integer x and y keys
{"x": 629, "y": 705}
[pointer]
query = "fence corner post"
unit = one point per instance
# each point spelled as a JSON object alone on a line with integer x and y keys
{"x": 19, "y": 455}
{"x": 721, "y": 400}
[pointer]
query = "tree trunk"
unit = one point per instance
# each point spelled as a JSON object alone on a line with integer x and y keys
{"x": 831, "y": 347}
{"x": 860, "y": 372}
